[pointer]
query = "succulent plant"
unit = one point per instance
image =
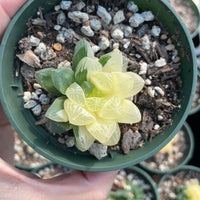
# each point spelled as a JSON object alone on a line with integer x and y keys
{"x": 93, "y": 98}
{"x": 130, "y": 192}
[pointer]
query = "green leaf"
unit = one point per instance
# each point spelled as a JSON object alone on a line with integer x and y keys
{"x": 43, "y": 77}
{"x": 87, "y": 87}
{"x": 114, "y": 64}
{"x": 57, "y": 127}
{"x": 62, "y": 78}
{"x": 56, "y": 111}
{"x": 84, "y": 139}
{"x": 85, "y": 68}
{"x": 104, "y": 59}
{"x": 82, "y": 49}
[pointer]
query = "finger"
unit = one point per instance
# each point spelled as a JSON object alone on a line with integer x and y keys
{"x": 7, "y": 10}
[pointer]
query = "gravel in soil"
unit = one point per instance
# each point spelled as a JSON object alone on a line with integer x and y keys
{"x": 144, "y": 41}
{"x": 170, "y": 156}
{"x": 168, "y": 188}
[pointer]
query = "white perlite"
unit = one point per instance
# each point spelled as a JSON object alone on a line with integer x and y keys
{"x": 148, "y": 16}
{"x": 95, "y": 24}
{"x": 136, "y": 20}
{"x": 27, "y": 96}
{"x": 151, "y": 91}
{"x": 61, "y": 18}
{"x": 159, "y": 90}
{"x": 155, "y": 31}
{"x": 60, "y": 38}
{"x": 143, "y": 68}
{"x": 98, "y": 150}
{"x": 104, "y": 14}
{"x": 34, "y": 41}
{"x": 160, "y": 62}
{"x": 65, "y": 5}
{"x": 160, "y": 117}
{"x": 156, "y": 127}
{"x": 78, "y": 16}
{"x": 30, "y": 104}
{"x": 104, "y": 43}
{"x": 64, "y": 64}
{"x": 37, "y": 110}
{"x": 40, "y": 49}
{"x": 86, "y": 30}
{"x": 119, "y": 17}
{"x": 131, "y": 6}
{"x": 95, "y": 48}
{"x": 117, "y": 34}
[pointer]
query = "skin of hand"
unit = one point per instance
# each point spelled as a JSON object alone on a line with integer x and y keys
{"x": 16, "y": 184}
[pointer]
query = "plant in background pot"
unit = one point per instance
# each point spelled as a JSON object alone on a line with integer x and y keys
{"x": 176, "y": 153}
{"x": 183, "y": 184}
{"x": 151, "y": 47}
{"x": 133, "y": 184}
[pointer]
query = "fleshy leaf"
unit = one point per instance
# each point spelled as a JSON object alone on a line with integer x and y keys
{"x": 102, "y": 81}
{"x": 114, "y": 138}
{"x": 125, "y": 64}
{"x": 82, "y": 49}
{"x": 85, "y": 68}
{"x": 76, "y": 94}
{"x": 94, "y": 104}
{"x": 84, "y": 139}
{"x": 102, "y": 130}
{"x": 115, "y": 63}
{"x": 78, "y": 115}
{"x": 43, "y": 77}
{"x": 57, "y": 127}
{"x": 129, "y": 113}
{"x": 95, "y": 93}
{"x": 111, "y": 109}
{"x": 56, "y": 111}
{"x": 87, "y": 87}
{"x": 62, "y": 78}
{"x": 104, "y": 59}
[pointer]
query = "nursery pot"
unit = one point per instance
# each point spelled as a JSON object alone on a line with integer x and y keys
{"x": 147, "y": 179}
{"x": 188, "y": 134}
{"x": 40, "y": 140}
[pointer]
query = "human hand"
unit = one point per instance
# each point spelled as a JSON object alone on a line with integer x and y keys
{"x": 16, "y": 184}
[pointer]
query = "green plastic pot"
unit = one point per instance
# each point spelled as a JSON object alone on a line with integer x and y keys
{"x": 187, "y": 155}
{"x": 147, "y": 180}
{"x": 40, "y": 140}
{"x": 184, "y": 167}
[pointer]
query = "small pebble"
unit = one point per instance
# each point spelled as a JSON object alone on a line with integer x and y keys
{"x": 156, "y": 127}
{"x": 131, "y": 6}
{"x": 148, "y": 16}
{"x": 48, "y": 55}
{"x": 70, "y": 142}
{"x": 160, "y": 117}
{"x": 40, "y": 49}
{"x": 34, "y": 41}
{"x": 160, "y": 62}
{"x": 61, "y": 140}
{"x": 170, "y": 47}
{"x": 34, "y": 96}
{"x": 95, "y": 24}
{"x": 65, "y": 5}
{"x": 36, "y": 86}
{"x": 147, "y": 82}
{"x": 98, "y": 150}
{"x": 79, "y": 6}
{"x": 60, "y": 38}
{"x": 104, "y": 14}
{"x": 136, "y": 20}
{"x": 117, "y": 34}
{"x": 27, "y": 96}
{"x": 64, "y": 64}
{"x": 86, "y": 30}
{"x": 69, "y": 35}
{"x": 104, "y": 43}
{"x": 57, "y": 27}
{"x": 119, "y": 17}
{"x": 61, "y": 18}
{"x": 90, "y": 9}
{"x": 151, "y": 91}
{"x": 126, "y": 45}
{"x": 116, "y": 45}
{"x": 143, "y": 68}
{"x": 38, "y": 91}
{"x": 95, "y": 48}
{"x": 57, "y": 7}
{"x": 155, "y": 31}
{"x": 78, "y": 16}
{"x": 143, "y": 30}
{"x": 37, "y": 110}
{"x": 159, "y": 90}
{"x": 30, "y": 104}
{"x": 57, "y": 46}
{"x": 44, "y": 99}
{"x": 163, "y": 37}
{"x": 127, "y": 31}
